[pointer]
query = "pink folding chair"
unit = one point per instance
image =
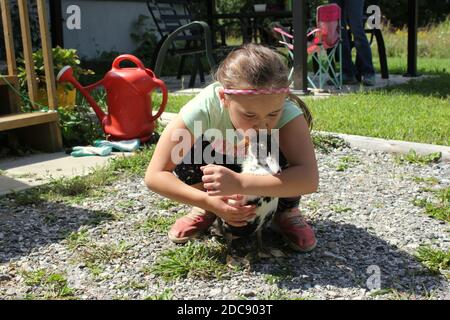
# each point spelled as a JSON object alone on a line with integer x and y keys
{"x": 325, "y": 47}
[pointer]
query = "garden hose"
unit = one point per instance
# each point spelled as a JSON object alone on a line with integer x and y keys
{"x": 25, "y": 98}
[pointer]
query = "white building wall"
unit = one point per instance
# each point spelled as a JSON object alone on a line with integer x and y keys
{"x": 105, "y": 26}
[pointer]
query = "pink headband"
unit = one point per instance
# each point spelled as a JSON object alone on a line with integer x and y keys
{"x": 256, "y": 91}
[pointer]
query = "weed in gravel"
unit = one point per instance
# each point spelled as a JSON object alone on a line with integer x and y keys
{"x": 125, "y": 204}
{"x": 166, "y": 204}
{"x": 167, "y": 294}
{"x": 434, "y": 259}
{"x": 54, "y": 285}
{"x": 413, "y": 158}
{"x": 194, "y": 260}
{"x": 428, "y": 180}
{"x": 339, "y": 209}
{"x": 133, "y": 165}
{"x": 78, "y": 239}
{"x": 157, "y": 223}
{"x": 282, "y": 273}
{"x": 440, "y": 208}
{"x": 281, "y": 294}
{"x": 94, "y": 253}
{"x": 327, "y": 142}
{"x": 346, "y": 162}
{"x": 26, "y": 198}
{"x": 101, "y": 216}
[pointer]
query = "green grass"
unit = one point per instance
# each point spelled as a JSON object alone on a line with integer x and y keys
{"x": 78, "y": 239}
{"x": 434, "y": 259}
{"x": 413, "y": 157}
{"x": 427, "y": 180}
{"x": 346, "y": 162}
{"x": 433, "y": 41}
{"x": 167, "y": 294}
{"x": 94, "y": 255}
{"x": 158, "y": 223}
{"x": 327, "y": 142}
{"x": 166, "y": 204}
{"x": 411, "y": 112}
{"x": 425, "y": 65}
{"x": 281, "y": 294}
{"x": 339, "y": 209}
{"x": 54, "y": 285}
{"x": 135, "y": 164}
{"x": 174, "y": 103}
{"x": 193, "y": 260}
{"x": 440, "y": 207}
{"x": 415, "y": 111}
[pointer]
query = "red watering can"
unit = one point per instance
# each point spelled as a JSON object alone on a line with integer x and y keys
{"x": 128, "y": 96}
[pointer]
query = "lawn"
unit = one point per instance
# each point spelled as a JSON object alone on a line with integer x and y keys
{"x": 418, "y": 111}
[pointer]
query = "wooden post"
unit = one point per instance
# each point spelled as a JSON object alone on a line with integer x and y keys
{"x": 27, "y": 49}
{"x": 47, "y": 55}
{"x": 413, "y": 12}
{"x": 300, "y": 54}
{"x": 9, "y": 40}
{"x": 56, "y": 23}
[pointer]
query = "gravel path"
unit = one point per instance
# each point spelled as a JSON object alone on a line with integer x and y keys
{"x": 363, "y": 216}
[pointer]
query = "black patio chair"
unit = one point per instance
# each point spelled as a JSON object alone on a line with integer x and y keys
{"x": 181, "y": 36}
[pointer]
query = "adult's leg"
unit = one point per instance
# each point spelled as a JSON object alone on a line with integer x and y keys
{"x": 355, "y": 20}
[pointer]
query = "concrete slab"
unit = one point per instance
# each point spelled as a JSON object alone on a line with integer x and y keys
{"x": 393, "y": 146}
{"x": 25, "y": 172}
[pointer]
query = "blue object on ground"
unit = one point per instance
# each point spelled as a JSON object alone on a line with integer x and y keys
{"x": 125, "y": 145}
{"x": 91, "y": 151}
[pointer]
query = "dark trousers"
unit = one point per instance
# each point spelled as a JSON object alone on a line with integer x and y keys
{"x": 352, "y": 15}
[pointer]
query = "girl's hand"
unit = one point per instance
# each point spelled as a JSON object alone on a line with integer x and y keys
{"x": 219, "y": 180}
{"x": 235, "y": 215}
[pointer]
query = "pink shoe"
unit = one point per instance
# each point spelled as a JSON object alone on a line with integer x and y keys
{"x": 294, "y": 229}
{"x": 191, "y": 225}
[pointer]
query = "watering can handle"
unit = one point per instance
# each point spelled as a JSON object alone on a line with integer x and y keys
{"x": 163, "y": 88}
{"x": 123, "y": 57}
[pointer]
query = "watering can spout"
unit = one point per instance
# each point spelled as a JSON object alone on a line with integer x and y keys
{"x": 66, "y": 75}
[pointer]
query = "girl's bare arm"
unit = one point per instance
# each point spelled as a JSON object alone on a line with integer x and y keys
{"x": 160, "y": 179}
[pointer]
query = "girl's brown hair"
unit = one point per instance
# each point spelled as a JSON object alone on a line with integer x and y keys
{"x": 257, "y": 67}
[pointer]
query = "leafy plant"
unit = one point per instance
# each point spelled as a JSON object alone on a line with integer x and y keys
{"x": 78, "y": 127}
{"x": 196, "y": 260}
{"x": 61, "y": 57}
{"x": 439, "y": 210}
{"x": 434, "y": 259}
{"x": 413, "y": 157}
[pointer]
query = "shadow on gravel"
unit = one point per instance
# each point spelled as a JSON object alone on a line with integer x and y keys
{"x": 346, "y": 256}
{"x": 25, "y": 228}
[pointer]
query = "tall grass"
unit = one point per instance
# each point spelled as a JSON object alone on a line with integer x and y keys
{"x": 433, "y": 41}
